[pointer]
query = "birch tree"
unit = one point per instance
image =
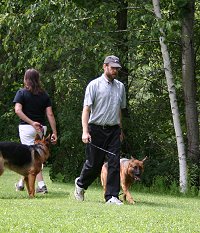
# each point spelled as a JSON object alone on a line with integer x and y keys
{"x": 173, "y": 102}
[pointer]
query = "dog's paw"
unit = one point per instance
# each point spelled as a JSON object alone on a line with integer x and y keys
{"x": 131, "y": 201}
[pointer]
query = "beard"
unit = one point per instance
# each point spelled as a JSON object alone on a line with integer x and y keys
{"x": 110, "y": 76}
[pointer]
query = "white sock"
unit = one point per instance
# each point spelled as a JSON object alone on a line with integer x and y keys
{"x": 21, "y": 182}
{"x": 41, "y": 184}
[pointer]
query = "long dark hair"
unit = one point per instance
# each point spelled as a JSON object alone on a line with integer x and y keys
{"x": 32, "y": 81}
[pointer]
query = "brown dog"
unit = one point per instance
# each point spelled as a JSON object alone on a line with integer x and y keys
{"x": 25, "y": 160}
{"x": 130, "y": 171}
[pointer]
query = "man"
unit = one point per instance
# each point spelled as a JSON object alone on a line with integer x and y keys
{"x": 101, "y": 122}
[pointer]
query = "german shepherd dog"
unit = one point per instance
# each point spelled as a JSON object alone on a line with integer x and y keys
{"x": 130, "y": 171}
{"x": 25, "y": 160}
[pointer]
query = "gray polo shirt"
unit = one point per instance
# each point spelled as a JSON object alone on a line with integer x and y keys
{"x": 105, "y": 100}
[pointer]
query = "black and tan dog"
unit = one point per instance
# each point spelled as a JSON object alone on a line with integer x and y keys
{"x": 130, "y": 171}
{"x": 25, "y": 160}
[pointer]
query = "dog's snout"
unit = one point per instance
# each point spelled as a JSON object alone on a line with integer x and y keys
{"x": 136, "y": 171}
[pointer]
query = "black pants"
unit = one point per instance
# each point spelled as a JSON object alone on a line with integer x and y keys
{"x": 107, "y": 138}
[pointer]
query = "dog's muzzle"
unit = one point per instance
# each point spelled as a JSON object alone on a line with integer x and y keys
{"x": 137, "y": 178}
{"x": 136, "y": 174}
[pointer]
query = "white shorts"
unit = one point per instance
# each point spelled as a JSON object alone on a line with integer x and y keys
{"x": 27, "y": 134}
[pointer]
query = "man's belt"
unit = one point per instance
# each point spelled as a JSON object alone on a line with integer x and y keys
{"x": 105, "y": 126}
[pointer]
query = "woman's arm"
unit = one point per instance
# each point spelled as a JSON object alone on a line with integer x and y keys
{"x": 22, "y": 116}
{"x": 52, "y": 122}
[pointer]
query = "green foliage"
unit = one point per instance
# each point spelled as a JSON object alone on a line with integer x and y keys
{"x": 193, "y": 179}
{"x": 159, "y": 185}
{"x": 70, "y": 153}
{"x": 162, "y": 185}
{"x": 193, "y": 191}
{"x": 181, "y": 3}
{"x": 174, "y": 188}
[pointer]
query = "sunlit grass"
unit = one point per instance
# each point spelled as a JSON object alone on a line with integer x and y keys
{"x": 59, "y": 212}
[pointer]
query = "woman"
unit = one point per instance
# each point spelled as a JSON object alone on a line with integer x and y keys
{"x": 33, "y": 105}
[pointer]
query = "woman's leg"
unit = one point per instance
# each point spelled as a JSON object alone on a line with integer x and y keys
{"x": 27, "y": 136}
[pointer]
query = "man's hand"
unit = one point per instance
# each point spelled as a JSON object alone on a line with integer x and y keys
{"x": 122, "y": 136}
{"x": 86, "y": 137}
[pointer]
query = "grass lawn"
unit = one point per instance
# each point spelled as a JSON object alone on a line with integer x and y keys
{"x": 57, "y": 211}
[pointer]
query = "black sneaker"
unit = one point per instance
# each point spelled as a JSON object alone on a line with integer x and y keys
{"x": 19, "y": 187}
{"x": 42, "y": 190}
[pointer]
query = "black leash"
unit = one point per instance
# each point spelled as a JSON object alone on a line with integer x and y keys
{"x": 102, "y": 149}
{"x": 107, "y": 152}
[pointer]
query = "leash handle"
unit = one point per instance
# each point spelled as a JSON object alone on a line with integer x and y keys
{"x": 102, "y": 149}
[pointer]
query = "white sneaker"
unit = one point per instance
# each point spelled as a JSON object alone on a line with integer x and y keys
{"x": 78, "y": 192}
{"x": 114, "y": 200}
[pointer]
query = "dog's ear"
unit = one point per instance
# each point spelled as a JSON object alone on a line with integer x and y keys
{"x": 48, "y": 138}
{"x": 144, "y": 159}
{"x": 37, "y": 137}
{"x": 132, "y": 158}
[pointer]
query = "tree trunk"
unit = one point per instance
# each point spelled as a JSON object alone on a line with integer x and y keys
{"x": 173, "y": 102}
{"x": 122, "y": 46}
{"x": 189, "y": 86}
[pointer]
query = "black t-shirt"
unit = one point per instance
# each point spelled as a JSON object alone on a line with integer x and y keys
{"x": 33, "y": 106}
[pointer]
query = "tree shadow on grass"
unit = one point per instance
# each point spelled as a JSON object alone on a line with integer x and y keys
{"x": 151, "y": 204}
{"x": 54, "y": 194}
{"x": 139, "y": 203}
{"x": 145, "y": 203}
{"x": 50, "y": 195}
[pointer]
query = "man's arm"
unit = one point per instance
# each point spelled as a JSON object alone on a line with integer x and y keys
{"x": 86, "y": 137}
